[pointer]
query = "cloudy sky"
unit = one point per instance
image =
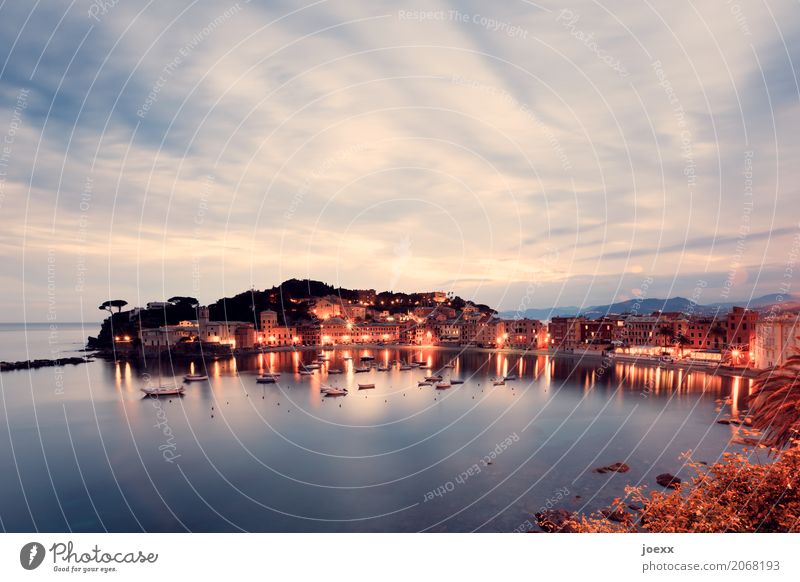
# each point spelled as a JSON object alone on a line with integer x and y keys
{"x": 530, "y": 154}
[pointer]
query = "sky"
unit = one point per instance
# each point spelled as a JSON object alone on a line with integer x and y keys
{"x": 520, "y": 154}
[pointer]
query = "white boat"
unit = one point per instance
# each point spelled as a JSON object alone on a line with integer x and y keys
{"x": 424, "y": 383}
{"x": 414, "y": 365}
{"x": 362, "y": 369}
{"x": 383, "y": 368}
{"x": 306, "y": 372}
{"x": 443, "y": 385}
{"x": 366, "y": 386}
{"x": 313, "y": 366}
{"x": 266, "y": 379}
{"x": 335, "y": 371}
{"x": 335, "y": 391}
{"x": 435, "y": 378}
{"x": 509, "y": 377}
{"x": 195, "y": 377}
{"x": 404, "y": 368}
{"x": 164, "y": 391}
{"x": 499, "y": 382}
{"x": 456, "y": 381}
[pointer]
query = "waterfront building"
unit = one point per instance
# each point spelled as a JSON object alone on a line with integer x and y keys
{"x": 740, "y": 325}
{"x": 565, "y": 332}
{"x": 776, "y": 340}
{"x": 167, "y": 336}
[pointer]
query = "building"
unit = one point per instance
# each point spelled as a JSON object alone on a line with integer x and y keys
{"x": 740, "y": 326}
{"x": 327, "y": 307}
{"x": 640, "y": 330}
{"x": 167, "y": 336}
{"x": 232, "y": 333}
{"x": 272, "y": 334}
{"x": 354, "y": 312}
{"x": 776, "y": 340}
{"x": 565, "y": 332}
{"x": 525, "y": 333}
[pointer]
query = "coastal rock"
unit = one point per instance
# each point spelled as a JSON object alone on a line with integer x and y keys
{"x": 613, "y": 468}
{"x": 668, "y": 480}
{"x": 41, "y": 363}
{"x": 556, "y": 520}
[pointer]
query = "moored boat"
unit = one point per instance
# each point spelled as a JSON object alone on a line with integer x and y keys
{"x": 456, "y": 381}
{"x": 362, "y": 369}
{"x": 333, "y": 391}
{"x": 335, "y": 371}
{"x": 443, "y": 385}
{"x": 366, "y": 386}
{"x": 266, "y": 379}
{"x": 164, "y": 391}
{"x": 195, "y": 377}
{"x": 499, "y": 382}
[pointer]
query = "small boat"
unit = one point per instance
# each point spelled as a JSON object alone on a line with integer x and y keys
{"x": 348, "y": 358}
{"x": 509, "y": 377}
{"x": 433, "y": 378}
{"x": 333, "y": 391}
{"x": 456, "y": 381}
{"x": 266, "y": 379}
{"x": 195, "y": 377}
{"x": 335, "y": 371}
{"x": 366, "y": 386}
{"x": 443, "y": 385}
{"x": 403, "y": 368}
{"x": 362, "y": 369}
{"x": 313, "y": 366}
{"x": 164, "y": 391}
{"x": 306, "y": 372}
{"x": 499, "y": 382}
{"x": 383, "y": 368}
{"x": 424, "y": 383}
{"x": 414, "y": 365}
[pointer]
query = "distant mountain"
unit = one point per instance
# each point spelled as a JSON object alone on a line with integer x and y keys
{"x": 648, "y": 306}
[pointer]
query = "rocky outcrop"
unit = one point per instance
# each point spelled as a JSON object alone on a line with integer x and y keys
{"x": 614, "y": 468}
{"x": 33, "y": 364}
{"x": 668, "y": 480}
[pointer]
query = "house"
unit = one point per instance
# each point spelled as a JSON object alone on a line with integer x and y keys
{"x": 776, "y": 340}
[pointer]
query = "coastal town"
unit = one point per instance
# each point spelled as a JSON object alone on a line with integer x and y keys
{"x": 739, "y": 339}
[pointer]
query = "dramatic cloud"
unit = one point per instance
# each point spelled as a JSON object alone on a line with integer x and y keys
{"x": 155, "y": 149}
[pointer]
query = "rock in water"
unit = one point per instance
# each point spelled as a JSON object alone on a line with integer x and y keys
{"x": 614, "y": 468}
{"x": 668, "y": 480}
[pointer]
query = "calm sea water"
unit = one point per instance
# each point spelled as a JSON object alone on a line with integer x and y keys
{"x": 81, "y": 450}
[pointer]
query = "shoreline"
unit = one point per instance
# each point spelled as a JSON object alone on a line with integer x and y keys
{"x": 590, "y": 355}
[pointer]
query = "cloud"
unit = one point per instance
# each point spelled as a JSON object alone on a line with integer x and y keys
{"x": 255, "y": 141}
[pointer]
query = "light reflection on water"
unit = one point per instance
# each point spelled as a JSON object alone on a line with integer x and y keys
{"x": 283, "y": 457}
